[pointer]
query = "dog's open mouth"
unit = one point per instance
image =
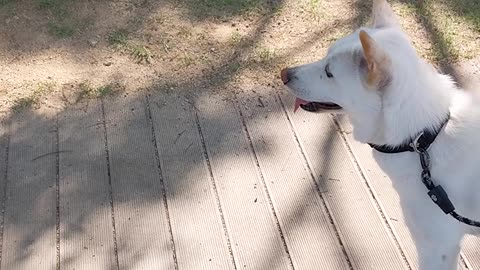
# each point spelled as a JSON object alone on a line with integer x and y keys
{"x": 315, "y": 106}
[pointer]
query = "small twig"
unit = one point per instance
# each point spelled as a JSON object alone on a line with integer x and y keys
{"x": 99, "y": 123}
{"x": 193, "y": 105}
{"x": 261, "y": 103}
{"x": 157, "y": 104}
{"x": 52, "y": 153}
{"x": 184, "y": 151}
{"x": 178, "y": 136}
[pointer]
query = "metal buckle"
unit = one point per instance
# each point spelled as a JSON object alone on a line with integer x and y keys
{"x": 415, "y": 145}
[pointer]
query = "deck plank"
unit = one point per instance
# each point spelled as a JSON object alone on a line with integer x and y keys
{"x": 86, "y": 232}
{"x": 471, "y": 249}
{"x": 197, "y": 230}
{"x": 142, "y": 227}
{"x": 361, "y": 226}
{"x": 255, "y": 239}
{"x": 30, "y": 206}
{"x": 312, "y": 240}
{"x": 4, "y": 145}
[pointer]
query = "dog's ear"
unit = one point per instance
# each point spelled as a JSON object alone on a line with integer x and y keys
{"x": 383, "y": 15}
{"x": 376, "y": 60}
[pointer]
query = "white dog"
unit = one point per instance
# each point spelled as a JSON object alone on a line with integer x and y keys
{"x": 391, "y": 97}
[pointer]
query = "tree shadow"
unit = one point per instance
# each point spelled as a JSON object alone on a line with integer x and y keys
{"x": 84, "y": 228}
{"x": 468, "y": 9}
{"x": 77, "y": 26}
{"x": 33, "y": 26}
{"x": 229, "y": 67}
{"x": 80, "y": 223}
{"x": 445, "y": 54}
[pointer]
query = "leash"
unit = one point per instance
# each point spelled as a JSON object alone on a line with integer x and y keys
{"x": 437, "y": 194}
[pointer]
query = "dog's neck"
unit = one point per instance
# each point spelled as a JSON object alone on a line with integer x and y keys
{"x": 411, "y": 104}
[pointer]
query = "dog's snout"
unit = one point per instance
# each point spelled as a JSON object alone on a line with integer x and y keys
{"x": 285, "y": 75}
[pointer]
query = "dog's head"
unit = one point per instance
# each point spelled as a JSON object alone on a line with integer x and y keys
{"x": 354, "y": 76}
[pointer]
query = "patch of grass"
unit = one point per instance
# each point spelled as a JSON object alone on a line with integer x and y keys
{"x": 24, "y": 103}
{"x": 442, "y": 41}
{"x": 104, "y": 90}
{"x": 184, "y": 32}
{"x": 140, "y": 53}
{"x": 458, "y": 24}
{"x": 118, "y": 38}
{"x": 451, "y": 28}
{"x": 58, "y": 8}
{"x": 312, "y": 7}
{"x": 62, "y": 23}
{"x": 60, "y": 30}
{"x": 49, "y": 4}
{"x": 236, "y": 37}
{"x": 187, "y": 60}
{"x": 407, "y": 9}
{"x": 277, "y": 9}
{"x": 33, "y": 100}
{"x": 320, "y": 11}
{"x": 88, "y": 91}
{"x": 265, "y": 54}
{"x": 9, "y": 8}
{"x": 45, "y": 87}
{"x": 469, "y": 10}
{"x": 6, "y": 2}
{"x": 235, "y": 67}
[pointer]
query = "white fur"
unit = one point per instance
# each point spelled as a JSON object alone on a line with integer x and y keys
{"x": 416, "y": 97}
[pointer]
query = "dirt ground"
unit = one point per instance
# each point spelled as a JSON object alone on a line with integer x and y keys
{"x": 57, "y": 52}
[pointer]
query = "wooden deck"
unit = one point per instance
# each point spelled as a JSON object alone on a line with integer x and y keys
{"x": 169, "y": 182}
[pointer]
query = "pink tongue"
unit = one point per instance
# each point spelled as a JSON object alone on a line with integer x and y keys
{"x": 298, "y": 102}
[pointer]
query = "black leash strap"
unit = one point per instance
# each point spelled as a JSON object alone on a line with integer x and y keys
{"x": 420, "y": 145}
{"x": 438, "y": 195}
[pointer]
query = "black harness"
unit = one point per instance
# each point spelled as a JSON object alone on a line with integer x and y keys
{"x": 420, "y": 145}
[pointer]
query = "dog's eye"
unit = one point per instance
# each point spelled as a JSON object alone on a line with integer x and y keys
{"x": 327, "y": 71}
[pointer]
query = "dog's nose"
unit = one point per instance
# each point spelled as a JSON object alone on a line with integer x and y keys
{"x": 285, "y": 75}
